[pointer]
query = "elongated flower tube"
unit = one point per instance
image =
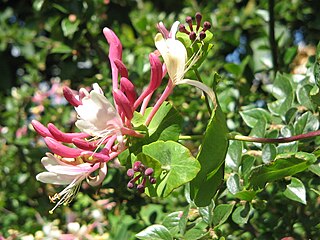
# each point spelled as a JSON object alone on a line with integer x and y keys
{"x": 64, "y": 171}
{"x": 115, "y": 52}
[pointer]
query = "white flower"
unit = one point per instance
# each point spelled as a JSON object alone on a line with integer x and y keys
{"x": 64, "y": 172}
{"x": 97, "y": 116}
{"x": 174, "y": 55}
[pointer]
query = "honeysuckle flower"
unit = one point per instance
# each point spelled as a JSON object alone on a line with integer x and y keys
{"x": 175, "y": 57}
{"x": 97, "y": 116}
{"x": 71, "y": 172}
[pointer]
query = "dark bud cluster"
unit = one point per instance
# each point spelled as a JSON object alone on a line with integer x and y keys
{"x": 140, "y": 171}
{"x": 194, "y": 33}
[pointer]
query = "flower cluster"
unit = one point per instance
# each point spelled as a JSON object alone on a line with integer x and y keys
{"x": 104, "y": 127}
{"x": 139, "y": 171}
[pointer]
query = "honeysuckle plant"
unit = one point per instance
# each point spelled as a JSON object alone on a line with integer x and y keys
{"x": 145, "y": 135}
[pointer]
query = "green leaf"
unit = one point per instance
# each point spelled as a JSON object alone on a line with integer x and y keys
{"x": 315, "y": 168}
{"x": 211, "y": 157}
{"x": 282, "y": 90}
{"x": 283, "y": 166}
{"x": 252, "y": 116}
{"x": 171, "y": 222}
{"x": 166, "y": 124}
{"x": 242, "y": 213}
{"x": 269, "y": 152}
{"x": 184, "y": 220}
{"x": 304, "y": 97}
{"x": 156, "y": 232}
{"x": 234, "y": 155}
{"x": 296, "y": 191}
{"x": 68, "y": 27}
{"x": 316, "y": 67}
{"x": 178, "y": 166}
{"x": 307, "y": 122}
{"x": 245, "y": 195}
{"x": 221, "y": 214}
{"x": 233, "y": 183}
{"x": 207, "y": 213}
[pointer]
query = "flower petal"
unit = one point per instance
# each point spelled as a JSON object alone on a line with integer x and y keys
{"x": 174, "y": 55}
{"x": 53, "y": 178}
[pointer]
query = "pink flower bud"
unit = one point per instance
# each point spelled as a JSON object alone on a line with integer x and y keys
{"x": 97, "y": 157}
{"x": 163, "y": 30}
{"x": 156, "y": 71}
{"x": 128, "y": 88}
{"x": 115, "y": 52}
{"x": 64, "y": 137}
{"x": 83, "y": 144}
{"x": 70, "y": 97}
{"x": 130, "y": 172}
{"x": 39, "y": 128}
{"x": 148, "y": 171}
{"x": 60, "y": 149}
{"x": 136, "y": 166}
{"x": 122, "y": 68}
{"x": 123, "y": 103}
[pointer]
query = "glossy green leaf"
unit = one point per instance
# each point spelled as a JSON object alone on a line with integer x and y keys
{"x": 171, "y": 222}
{"x": 282, "y": 90}
{"x": 166, "y": 124}
{"x": 283, "y": 166}
{"x": 316, "y": 67}
{"x": 184, "y": 220}
{"x": 269, "y": 152}
{"x": 207, "y": 213}
{"x": 221, "y": 214}
{"x": 245, "y": 195}
{"x": 296, "y": 191}
{"x": 178, "y": 166}
{"x": 252, "y": 116}
{"x": 156, "y": 232}
{"x": 211, "y": 157}
{"x": 307, "y": 122}
{"x": 233, "y": 183}
{"x": 234, "y": 154}
{"x": 242, "y": 213}
{"x": 304, "y": 98}
{"x": 315, "y": 168}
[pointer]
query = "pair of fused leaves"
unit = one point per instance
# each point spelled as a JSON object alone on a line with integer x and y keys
{"x": 173, "y": 163}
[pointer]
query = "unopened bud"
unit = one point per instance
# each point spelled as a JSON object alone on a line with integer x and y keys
{"x": 152, "y": 180}
{"x": 198, "y": 20}
{"x": 206, "y": 26}
{"x": 136, "y": 166}
{"x": 130, "y": 172}
{"x": 192, "y": 36}
{"x": 189, "y": 21}
{"x": 202, "y": 35}
{"x": 148, "y": 171}
{"x": 130, "y": 185}
{"x": 141, "y": 188}
{"x": 183, "y": 29}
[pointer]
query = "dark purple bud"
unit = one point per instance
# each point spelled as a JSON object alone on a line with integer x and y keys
{"x": 198, "y": 20}
{"x": 141, "y": 188}
{"x": 189, "y": 21}
{"x": 152, "y": 180}
{"x": 148, "y": 171}
{"x": 130, "y": 172}
{"x": 192, "y": 36}
{"x": 183, "y": 29}
{"x": 206, "y": 26}
{"x": 136, "y": 166}
{"x": 130, "y": 185}
{"x": 202, "y": 35}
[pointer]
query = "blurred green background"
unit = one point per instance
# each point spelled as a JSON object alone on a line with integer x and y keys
{"x": 45, "y": 45}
